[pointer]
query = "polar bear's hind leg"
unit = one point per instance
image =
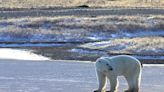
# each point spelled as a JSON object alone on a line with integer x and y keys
{"x": 133, "y": 82}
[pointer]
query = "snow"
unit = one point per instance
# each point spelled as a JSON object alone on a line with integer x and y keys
{"x": 150, "y": 57}
{"x": 103, "y": 43}
{"x": 64, "y": 76}
{"x": 141, "y": 33}
{"x": 32, "y": 45}
{"x": 7, "y": 53}
{"x": 87, "y": 51}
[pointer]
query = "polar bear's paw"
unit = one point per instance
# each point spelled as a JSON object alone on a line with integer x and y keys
{"x": 98, "y": 91}
{"x": 101, "y": 91}
{"x": 104, "y": 91}
{"x": 111, "y": 91}
{"x": 131, "y": 91}
{"x": 128, "y": 91}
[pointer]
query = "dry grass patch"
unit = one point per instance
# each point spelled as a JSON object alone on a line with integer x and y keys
{"x": 71, "y": 3}
{"x": 103, "y": 23}
{"x": 140, "y": 46}
{"x": 82, "y": 28}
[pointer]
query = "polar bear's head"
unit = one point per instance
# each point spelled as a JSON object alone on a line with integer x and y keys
{"x": 103, "y": 64}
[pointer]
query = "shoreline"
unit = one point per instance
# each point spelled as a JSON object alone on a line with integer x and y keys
{"x": 59, "y": 53}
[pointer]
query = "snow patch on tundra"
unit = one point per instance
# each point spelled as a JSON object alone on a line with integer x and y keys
{"x": 6, "y": 53}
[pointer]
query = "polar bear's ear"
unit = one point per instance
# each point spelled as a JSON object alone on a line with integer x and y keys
{"x": 100, "y": 60}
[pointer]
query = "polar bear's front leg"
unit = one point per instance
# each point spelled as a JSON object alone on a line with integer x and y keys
{"x": 113, "y": 83}
{"x": 102, "y": 81}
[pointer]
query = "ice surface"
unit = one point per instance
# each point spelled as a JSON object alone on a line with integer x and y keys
{"x": 64, "y": 76}
{"x": 7, "y": 53}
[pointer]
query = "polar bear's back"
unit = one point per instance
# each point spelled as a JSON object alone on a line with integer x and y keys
{"x": 124, "y": 59}
{"x": 123, "y": 63}
{"x": 121, "y": 60}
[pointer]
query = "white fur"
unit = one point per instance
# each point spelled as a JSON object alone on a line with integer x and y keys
{"x": 121, "y": 65}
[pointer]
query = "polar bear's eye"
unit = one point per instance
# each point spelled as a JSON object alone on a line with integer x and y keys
{"x": 107, "y": 64}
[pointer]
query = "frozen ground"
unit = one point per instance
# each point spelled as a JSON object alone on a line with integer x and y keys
{"x": 64, "y": 76}
{"x": 17, "y": 75}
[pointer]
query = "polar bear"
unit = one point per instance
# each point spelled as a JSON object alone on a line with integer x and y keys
{"x": 121, "y": 65}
